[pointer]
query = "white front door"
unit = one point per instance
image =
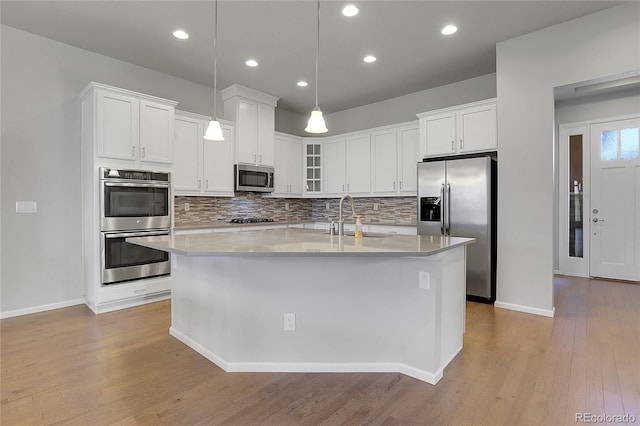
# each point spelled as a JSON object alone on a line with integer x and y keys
{"x": 615, "y": 200}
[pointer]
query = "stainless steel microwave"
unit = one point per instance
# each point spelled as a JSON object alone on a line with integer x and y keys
{"x": 251, "y": 178}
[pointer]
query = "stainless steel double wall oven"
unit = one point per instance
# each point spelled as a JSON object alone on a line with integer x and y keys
{"x": 133, "y": 203}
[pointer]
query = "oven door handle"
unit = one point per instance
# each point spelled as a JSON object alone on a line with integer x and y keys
{"x": 135, "y": 234}
{"x": 144, "y": 185}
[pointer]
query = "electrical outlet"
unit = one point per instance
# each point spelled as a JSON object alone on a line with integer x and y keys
{"x": 376, "y": 206}
{"x": 26, "y": 207}
{"x": 286, "y": 206}
{"x": 327, "y": 206}
{"x": 289, "y": 322}
{"x": 186, "y": 207}
{"x": 423, "y": 280}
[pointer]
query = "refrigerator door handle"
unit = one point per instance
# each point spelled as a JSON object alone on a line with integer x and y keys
{"x": 448, "y": 228}
{"x": 442, "y": 209}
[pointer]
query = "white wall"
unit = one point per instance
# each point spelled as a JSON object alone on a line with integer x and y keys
{"x": 41, "y": 81}
{"x": 528, "y": 68}
{"x": 613, "y": 104}
{"x": 405, "y": 108}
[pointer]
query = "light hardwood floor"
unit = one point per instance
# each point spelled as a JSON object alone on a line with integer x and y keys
{"x": 68, "y": 366}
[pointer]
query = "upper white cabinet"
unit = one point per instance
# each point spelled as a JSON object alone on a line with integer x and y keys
{"x": 335, "y": 166}
{"x": 359, "y": 164}
{"x": 202, "y": 167}
{"x": 458, "y": 130}
{"x": 254, "y": 115}
{"x": 288, "y": 165}
{"x": 408, "y": 158}
{"x": 129, "y": 126}
{"x": 312, "y": 164}
{"x": 395, "y": 153}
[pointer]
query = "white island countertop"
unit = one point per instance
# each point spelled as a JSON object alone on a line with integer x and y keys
{"x": 300, "y": 242}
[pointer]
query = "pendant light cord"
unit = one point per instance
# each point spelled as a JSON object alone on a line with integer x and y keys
{"x": 215, "y": 61}
{"x": 317, "y": 52}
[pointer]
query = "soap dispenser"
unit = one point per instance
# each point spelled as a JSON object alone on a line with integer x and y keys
{"x": 358, "y": 233}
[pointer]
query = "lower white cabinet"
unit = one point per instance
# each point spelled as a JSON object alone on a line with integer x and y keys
{"x": 201, "y": 166}
{"x": 288, "y": 165}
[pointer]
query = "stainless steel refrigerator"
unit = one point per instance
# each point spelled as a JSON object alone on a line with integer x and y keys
{"x": 456, "y": 197}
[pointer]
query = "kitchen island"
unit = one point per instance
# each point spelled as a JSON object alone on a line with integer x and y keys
{"x": 383, "y": 303}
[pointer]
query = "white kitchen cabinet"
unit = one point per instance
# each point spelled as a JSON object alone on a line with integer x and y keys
{"x": 408, "y": 158}
{"x": 335, "y": 166}
{"x": 384, "y": 148}
{"x": 254, "y": 115}
{"x": 395, "y": 153}
{"x": 458, "y": 130}
{"x": 358, "y": 164}
{"x": 202, "y": 167}
{"x": 313, "y": 164}
{"x": 128, "y": 130}
{"x": 132, "y": 126}
{"x": 288, "y": 165}
{"x": 218, "y": 163}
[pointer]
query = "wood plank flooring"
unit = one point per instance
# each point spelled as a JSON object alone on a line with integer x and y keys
{"x": 70, "y": 367}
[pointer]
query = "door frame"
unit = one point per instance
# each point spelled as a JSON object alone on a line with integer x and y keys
{"x": 574, "y": 265}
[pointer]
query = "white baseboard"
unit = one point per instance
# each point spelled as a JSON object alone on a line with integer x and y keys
{"x": 129, "y": 303}
{"x": 310, "y": 367}
{"x": 199, "y": 348}
{"x": 527, "y": 309}
{"x": 41, "y": 308}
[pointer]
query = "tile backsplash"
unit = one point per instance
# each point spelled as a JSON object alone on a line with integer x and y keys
{"x": 216, "y": 210}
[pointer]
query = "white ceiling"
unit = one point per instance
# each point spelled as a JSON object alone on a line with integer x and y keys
{"x": 281, "y": 35}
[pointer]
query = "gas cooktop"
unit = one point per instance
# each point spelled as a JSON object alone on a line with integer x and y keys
{"x": 250, "y": 220}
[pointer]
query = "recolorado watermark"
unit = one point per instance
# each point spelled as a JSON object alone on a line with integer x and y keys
{"x": 605, "y": 418}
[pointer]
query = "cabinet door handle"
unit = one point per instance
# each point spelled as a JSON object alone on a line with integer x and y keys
{"x": 453, "y": 145}
{"x": 254, "y": 158}
{"x": 461, "y": 144}
{"x": 347, "y": 187}
{"x": 199, "y": 183}
{"x": 394, "y": 185}
{"x": 400, "y": 184}
{"x": 260, "y": 158}
{"x": 206, "y": 184}
{"x": 133, "y": 151}
{"x": 342, "y": 188}
{"x": 144, "y": 152}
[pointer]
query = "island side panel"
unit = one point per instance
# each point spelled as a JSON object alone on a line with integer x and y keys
{"x": 352, "y": 313}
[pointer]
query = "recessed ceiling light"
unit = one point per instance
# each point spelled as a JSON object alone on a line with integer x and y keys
{"x": 370, "y": 58}
{"x": 350, "y": 10}
{"x": 180, "y": 34}
{"x": 252, "y": 63}
{"x": 449, "y": 29}
{"x": 302, "y": 83}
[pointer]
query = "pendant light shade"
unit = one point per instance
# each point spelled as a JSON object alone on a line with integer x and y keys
{"x": 316, "y": 120}
{"x": 214, "y": 132}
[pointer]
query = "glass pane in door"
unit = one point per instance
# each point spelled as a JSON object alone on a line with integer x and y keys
{"x": 576, "y": 208}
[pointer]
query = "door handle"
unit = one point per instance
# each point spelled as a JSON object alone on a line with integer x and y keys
{"x": 448, "y": 209}
{"x": 596, "y": 220}
{"x": 442, "y": 209}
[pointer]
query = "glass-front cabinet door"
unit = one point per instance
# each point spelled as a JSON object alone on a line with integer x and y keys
{"x": 313, "y": 168}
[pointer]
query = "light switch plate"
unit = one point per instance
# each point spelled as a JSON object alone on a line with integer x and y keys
{"x": 423, "y": 280}
{"x": 26, "y": 207}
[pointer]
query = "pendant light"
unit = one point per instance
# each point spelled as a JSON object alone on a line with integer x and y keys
{"x": 214, "y": 132}
{"x": 316, "y": 121}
